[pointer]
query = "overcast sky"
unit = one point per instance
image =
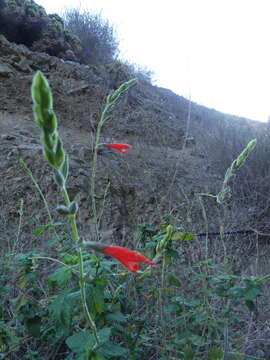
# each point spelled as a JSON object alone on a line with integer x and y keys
{"x": 215, "y": 51}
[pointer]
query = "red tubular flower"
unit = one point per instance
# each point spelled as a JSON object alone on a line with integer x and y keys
{"x": 120, "y": 147}
{"x": 130, "y": 259}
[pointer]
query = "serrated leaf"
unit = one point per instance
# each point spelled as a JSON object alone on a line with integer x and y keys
{"x": 60, "y": 277}
{"x": 62, "y": 310}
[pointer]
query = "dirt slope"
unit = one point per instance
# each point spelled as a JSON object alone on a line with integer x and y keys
{"x": 157, "y": 177}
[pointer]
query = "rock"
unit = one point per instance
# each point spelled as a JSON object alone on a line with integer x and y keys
{"x": 23, "y": 65}
{"x": 6, "y": 71}
{"x": 8, "y": 137}
{"x": 25, "y": 22}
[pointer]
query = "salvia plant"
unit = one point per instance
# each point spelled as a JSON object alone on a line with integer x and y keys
{"x": 58, "y": 159}
{"x": 84, "y": 308}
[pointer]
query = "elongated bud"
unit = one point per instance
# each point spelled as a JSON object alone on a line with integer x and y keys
{"x": 47, "y": 121}
{"x": 41, "y": 92}
{"x": 244, "y": 154}
{"x": 113, "y": 96}
{"x": 225, "y": 192}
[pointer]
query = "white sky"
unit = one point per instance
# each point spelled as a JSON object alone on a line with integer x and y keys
{"x": 216, "y": 51}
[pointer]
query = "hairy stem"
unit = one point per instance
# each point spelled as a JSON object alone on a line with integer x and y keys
{"x": 76, "y": 238}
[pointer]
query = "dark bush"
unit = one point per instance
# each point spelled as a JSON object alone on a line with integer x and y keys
{"x": 98, "y": 39}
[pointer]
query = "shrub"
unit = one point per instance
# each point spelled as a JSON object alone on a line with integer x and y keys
{"x": 99, "y": 42}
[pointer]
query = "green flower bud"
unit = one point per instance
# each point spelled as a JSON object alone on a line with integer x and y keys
{"x": 50, "y": 157}
{"x": 50, "y": 125}
{"x": 48, "y": 141}
{"x": 114, "y": 95}
{"x": 41, "y": 92}
{"x": 59, "y": 154}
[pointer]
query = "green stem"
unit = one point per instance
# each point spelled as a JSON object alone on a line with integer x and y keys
{"x": 81, "y": 268}
{"x": 94, "y": 171}
{"x": 83, "y": 297}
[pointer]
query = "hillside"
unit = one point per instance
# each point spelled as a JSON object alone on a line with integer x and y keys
{"x": 172, "y": 161}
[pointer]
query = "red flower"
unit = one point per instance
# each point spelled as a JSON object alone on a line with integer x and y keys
{"x": 120, "y": 147}
{"x": 128, "y": 258}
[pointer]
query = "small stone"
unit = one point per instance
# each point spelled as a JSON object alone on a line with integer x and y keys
{"x": 6, "y": 71}
{"x": 8, "y": 137}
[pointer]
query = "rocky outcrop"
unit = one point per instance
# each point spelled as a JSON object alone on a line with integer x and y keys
{"x": 25, "y": 22}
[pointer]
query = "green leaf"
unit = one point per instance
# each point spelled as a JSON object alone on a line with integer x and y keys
{"x": 197, "y": 340}
{"x": 98, "y": 300}
{"x": 33, "y": 326}
{"x": 80, "y": 341}
{"x": 60, "y": 277}
{"x": 40, "y": 230}
{"x": 62, "y": 310}
{"x": 172, "y": 280}
{"x": 111, "y": 350}
{"x": 70, "y": 259}
{"x": 188, "y": 353}
{"x": 251, "y": 305}
{"x": 215, "y": 354}
{"x": 116, "y": 317}
{"x": 183, "y": 236}
{"x": 252, "y": 292}
{"x": 104, "y": 335}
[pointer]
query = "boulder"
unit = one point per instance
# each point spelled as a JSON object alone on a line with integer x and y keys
{"x": 25, "y": 22}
